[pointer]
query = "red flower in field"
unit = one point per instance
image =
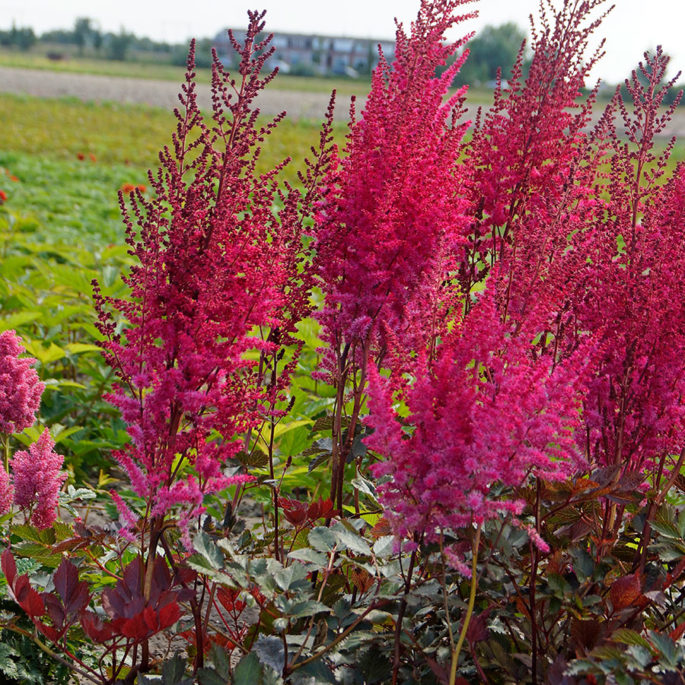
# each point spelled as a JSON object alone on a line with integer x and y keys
{"x": 13, "y": 178}
{"x": 3, "y": 196}
{"x": 80, "y": 156}
{"x": 130, "y": 188}
{"x": 92, "y": 157}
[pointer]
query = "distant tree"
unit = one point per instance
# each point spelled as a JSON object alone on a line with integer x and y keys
{"x": 23, "y": 37}
{"x": 97, "y": 40}
{"x": 60, "y": 36}
{"x": 118, "y": 44}
{"x": 83, "y": 31}
{"x": 495, "y": 47}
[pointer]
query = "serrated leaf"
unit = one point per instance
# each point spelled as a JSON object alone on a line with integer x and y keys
{"x": 322, "y": 458}
{"x": 314, "y": 672}
{"x": 289, "y": 576}
{"x": 665, "y": 645}
{"x": 206, "y": 547}
{"x": 321, "y": 539}
{"x": 249, "y": 671}
{"x": 365, "y": 486}
{"x": 270, "y": 651}
{"x": 310, "y": 556}
{"x": 173, "y": 671}
{"x": 629, "y": 637}
{"x": 350, "y": 540}
{"x": 384, "y": 546}
{"x": 325, "y": 423}
{"x": 208, "y": 676}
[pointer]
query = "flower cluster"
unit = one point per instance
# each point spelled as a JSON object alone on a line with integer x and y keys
{"x": 20, "y": 388}
{"x": 37, "y": 480}
{"x": 482, "y": 412}
{"x": 634, "y": 278}
{"x": 394, "y": 202}
{"x": 218, "y": 280}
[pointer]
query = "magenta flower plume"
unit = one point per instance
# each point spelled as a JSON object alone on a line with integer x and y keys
{"x": 20, "y": 389}
{"x": 6, "y": 492}
{"x": 218, "y": 273}
{"x": 482, "y": 413}
{"x": 532, "y": 170}
{"x": 395, "y": 199}
{"x": 635, "y": 287}
{"x": 38, "y": 479}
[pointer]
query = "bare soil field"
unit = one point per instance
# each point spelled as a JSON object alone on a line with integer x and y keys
{"x": 164, "y": 94}
{"x": 88, "y": 87}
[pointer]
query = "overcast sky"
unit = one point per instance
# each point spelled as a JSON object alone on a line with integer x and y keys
{"x": 633, "y": 27}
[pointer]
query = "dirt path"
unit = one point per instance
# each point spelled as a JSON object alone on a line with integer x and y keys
{"x": 86, "y": 87}
{"x": 156, "y": 93}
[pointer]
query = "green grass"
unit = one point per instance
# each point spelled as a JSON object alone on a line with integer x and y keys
{"x": 48, "y": 131}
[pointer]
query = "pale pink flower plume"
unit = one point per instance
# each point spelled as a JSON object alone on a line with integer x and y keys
{"x": 37, "y": 480}
{"x": 6, "y": 492}
{"x": 20, "y": 389}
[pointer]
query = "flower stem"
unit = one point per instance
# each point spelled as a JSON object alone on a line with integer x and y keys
{"x": 469, "y": 609}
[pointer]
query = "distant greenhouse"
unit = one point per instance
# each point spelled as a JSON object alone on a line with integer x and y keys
{"x": 310, "y": 55}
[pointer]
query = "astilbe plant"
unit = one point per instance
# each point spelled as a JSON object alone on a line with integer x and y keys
{"x": 634, "y": 287}
{"x": 504, "y": 331}
{"x": 216, "y": 266}
{"x": 37, "y": 480}
{"x": 20, "y": 387}
{"x": 532, "y": 169}
{"x": 390, "y": 212}
{"x": 219, "y": 284}
{"x": 483, "y": 413}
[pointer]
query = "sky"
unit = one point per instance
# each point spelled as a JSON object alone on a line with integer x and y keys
{"x": 633, "y": 27}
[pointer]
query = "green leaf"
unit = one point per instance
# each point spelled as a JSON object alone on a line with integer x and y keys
{"x": 629, "y": 637}
{"x": 44, "y": 355}
{"x": 270, "y": 651}
{"x": 208, "y": 676}
{"x": 321, "y": 539}
{"x": 349, "y": 539}
{"x": 79, "y": 348}
{"x": 249, "y": 671}
{"x": 383, "y": 547}
{"x": 665, "y": 645}
{"x": 365, "y": 486}
{"x": 173, "y": 672}
{"x": 310, "y": 556}
{"x": 206, "y": 547}
{"x": 289, "y": 576}
{"x": 17, "y": 320}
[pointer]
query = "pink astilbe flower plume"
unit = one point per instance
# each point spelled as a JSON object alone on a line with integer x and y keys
{"x": 6, "y": 492}
{"x": 391, "y": 215}
{"x": 482, "y": 413}
{"x": 634, "y": 280}
{"x": 218, "y": 273}
{"x": 38, "y": 479}
{"x": 395, "y": 198}
{"x": 20, "y": 389}
{"x": 532, "y": 169}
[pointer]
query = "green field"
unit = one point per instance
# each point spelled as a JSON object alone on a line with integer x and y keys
{"x": 71, "y": 158}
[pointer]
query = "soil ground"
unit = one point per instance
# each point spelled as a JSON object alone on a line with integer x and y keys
{"x": 164, "y": 94}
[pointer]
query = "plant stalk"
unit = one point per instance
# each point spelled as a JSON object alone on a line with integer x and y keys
{"x": 469, "y": 608}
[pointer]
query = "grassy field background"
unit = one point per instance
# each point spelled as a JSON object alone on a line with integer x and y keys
{"x": 71, "y": 157}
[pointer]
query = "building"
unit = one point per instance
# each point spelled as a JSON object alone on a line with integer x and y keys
{"x": 309, "y": 55}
